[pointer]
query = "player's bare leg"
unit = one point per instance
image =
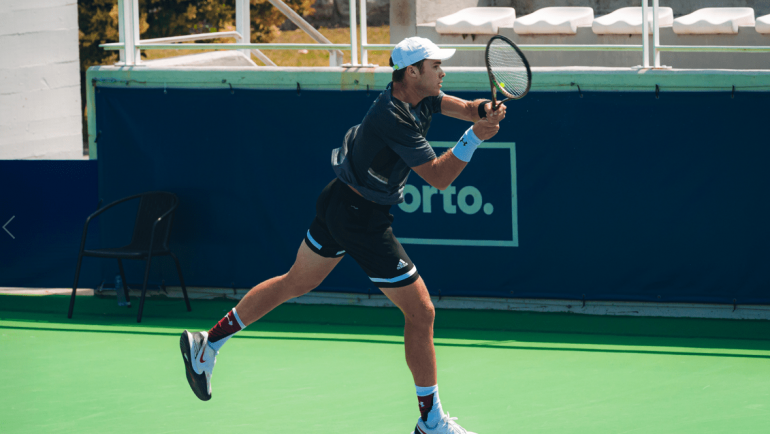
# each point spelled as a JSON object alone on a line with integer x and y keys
{"x": 419, "y": 313}
{"x": 414, "y": 301}
{"x": 308, "y": 271}
{"x": 198, "y": 350}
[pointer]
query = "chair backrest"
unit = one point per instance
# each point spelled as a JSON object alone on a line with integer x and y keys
{"x": 152, "y": 205}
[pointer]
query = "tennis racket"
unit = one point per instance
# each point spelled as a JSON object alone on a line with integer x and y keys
{"x": 508, "y": 70}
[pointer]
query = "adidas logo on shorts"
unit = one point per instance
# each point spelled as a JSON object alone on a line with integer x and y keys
{"x": 401, "y": 264}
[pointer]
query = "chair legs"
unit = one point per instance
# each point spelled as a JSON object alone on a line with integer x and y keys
{"x": 125, "y": 285}
{"x": 181, "y": 281}
{"x": 75, "y": 285}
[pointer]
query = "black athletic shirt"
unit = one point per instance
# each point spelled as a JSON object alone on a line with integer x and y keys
{"x": 376, "y": 156}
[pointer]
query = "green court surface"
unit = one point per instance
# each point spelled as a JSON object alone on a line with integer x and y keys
{"x": 341, "y": 369}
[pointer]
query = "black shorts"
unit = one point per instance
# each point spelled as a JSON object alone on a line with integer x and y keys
{"x": 347, "y": 223}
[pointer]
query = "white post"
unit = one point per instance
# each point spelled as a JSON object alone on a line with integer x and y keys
{"x": 121, "y": 31}
{"x": 645, "y": 37}
{"x": 128, "y": 30}
{"x": 243, "y": 23}
{"x": 655, "y": 34}
{"x": 364, "y": 52}
{"x": 353, "y": 36}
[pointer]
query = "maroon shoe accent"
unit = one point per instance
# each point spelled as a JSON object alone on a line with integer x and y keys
{"x": 224, "y": 328}
{"x": 426, "y": 405}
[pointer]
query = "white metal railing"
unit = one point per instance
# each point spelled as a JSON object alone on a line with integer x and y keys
{"x": 130, "y": 43}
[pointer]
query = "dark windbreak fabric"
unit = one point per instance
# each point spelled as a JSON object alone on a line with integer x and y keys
{"x": 377, "y": 155}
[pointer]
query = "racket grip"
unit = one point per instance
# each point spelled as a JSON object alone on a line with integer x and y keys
{"x": 494, "y": 91}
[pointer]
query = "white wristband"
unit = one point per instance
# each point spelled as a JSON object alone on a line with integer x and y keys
{"x": 467, "y": 144}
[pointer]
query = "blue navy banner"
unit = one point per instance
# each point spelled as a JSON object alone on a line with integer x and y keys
{"x": 43, "y": 207}
{"x": 595, "y": 196}
{"x": 462, "y": 215}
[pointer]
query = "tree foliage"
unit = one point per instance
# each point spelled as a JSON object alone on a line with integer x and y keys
{"x": 98, "y": 22}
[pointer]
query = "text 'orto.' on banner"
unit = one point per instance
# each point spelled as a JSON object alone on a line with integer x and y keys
{"x": 478, "y": 209}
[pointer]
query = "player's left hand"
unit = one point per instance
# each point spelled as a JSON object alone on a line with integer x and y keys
{"x": 495, "y": 116}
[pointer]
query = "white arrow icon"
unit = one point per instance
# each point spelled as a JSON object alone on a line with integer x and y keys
{"x": 6, "y": 224}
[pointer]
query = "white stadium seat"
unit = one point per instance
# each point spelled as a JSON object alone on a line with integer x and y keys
{"x": 476, "y": 21}
{"x": 710, "y": 21}
{"x": 628, "y": 21}
{"x": 763, "y": 25}
{"x": 554, "y": 21}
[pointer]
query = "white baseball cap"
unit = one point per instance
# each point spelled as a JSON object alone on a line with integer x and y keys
{"x": 412, "y": 50}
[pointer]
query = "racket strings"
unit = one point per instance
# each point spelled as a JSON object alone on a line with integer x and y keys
{"x": 508, "y": 69}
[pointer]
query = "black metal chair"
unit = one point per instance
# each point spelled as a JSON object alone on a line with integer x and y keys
{"x": 151, "y": 233}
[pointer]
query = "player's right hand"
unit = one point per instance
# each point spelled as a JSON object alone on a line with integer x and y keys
{"x": 498, "y": 115}
{"x": 485, "y": 129}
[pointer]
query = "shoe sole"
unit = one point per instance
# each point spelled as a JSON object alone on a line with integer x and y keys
{"x": 194, "y": 379}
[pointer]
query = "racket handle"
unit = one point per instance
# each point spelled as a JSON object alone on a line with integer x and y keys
{"x": 494, "y": 93}
{"x": 495, "y": 107}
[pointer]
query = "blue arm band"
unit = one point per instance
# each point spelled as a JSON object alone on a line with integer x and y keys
{"x": 467, "y": 144}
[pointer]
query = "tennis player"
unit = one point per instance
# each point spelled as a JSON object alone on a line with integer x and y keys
{"x": 352, "y": 218}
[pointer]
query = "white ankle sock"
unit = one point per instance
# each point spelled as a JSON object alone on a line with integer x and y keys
{"x": 435, "y": 413}
{"x": 218, "y": 344}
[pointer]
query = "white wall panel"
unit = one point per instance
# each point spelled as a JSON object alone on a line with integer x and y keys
{"x": 21, "y": 5}
{"x": 13, "y": 133}
{"x": 57, "y": 148}
{"x": 38, "y": 20}
{"x": 39, "y": 48}
{"x": 40, "y": 77}
{"x": 40, "y": 111}
{"x": 39, "y": 106}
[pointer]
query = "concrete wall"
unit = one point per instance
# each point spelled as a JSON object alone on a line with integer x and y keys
{"x": 40, "y": 115}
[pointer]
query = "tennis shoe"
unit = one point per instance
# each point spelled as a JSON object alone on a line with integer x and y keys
{"x": 199, "y": 359}
{"x": 446, "y": 425}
